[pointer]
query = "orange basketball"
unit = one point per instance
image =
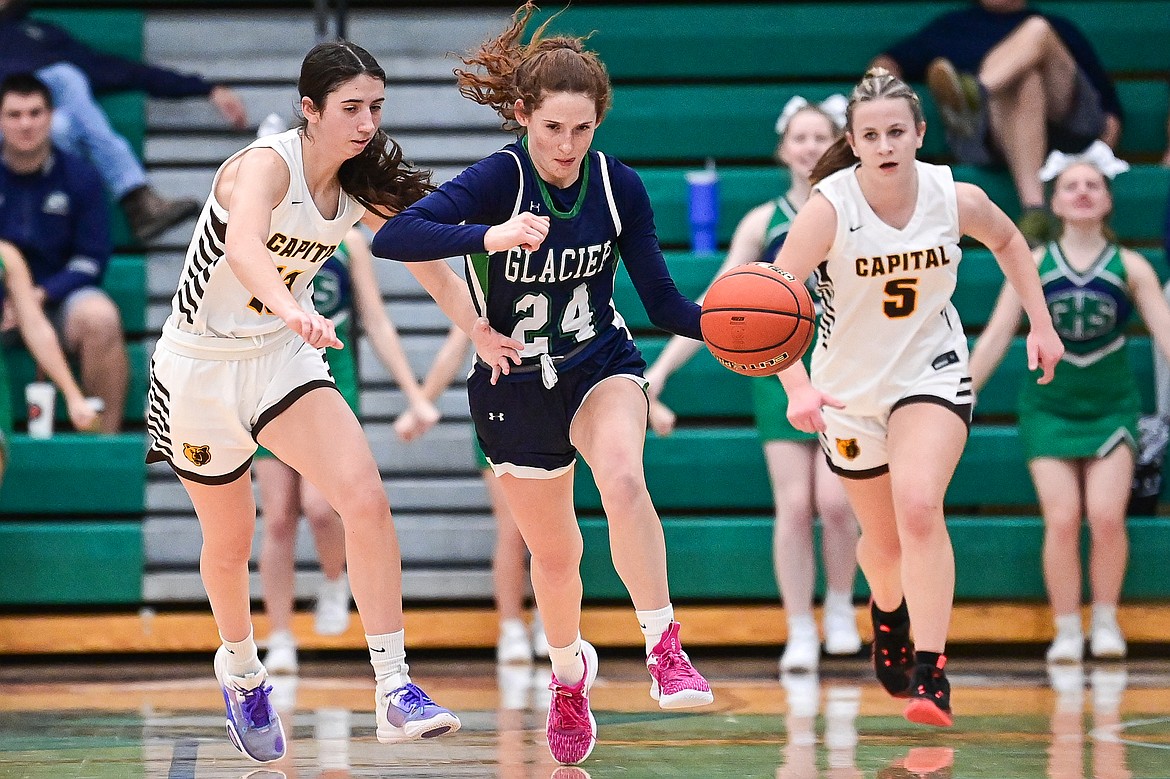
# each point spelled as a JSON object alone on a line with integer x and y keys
{"x": 757, "y": 319}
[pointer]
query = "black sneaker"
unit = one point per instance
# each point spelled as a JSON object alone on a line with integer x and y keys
{"x": 930, "y": 695}
{"x": 893, "y": 652}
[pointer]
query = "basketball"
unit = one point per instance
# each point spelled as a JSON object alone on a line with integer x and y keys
{"x": 757, "y": 319}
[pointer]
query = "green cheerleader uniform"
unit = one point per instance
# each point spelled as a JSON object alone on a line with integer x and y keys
{"x": 333, "y": 298}
{"x": 769, "y": 399}
{"x": 1092, "y": 403}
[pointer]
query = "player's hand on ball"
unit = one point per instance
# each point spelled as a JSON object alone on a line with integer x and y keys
{"x": 804, "y": 408}
{"x": 494, "y": 348}
{"x": 525, "y": 230}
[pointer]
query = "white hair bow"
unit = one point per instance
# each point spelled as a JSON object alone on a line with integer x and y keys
{"x": 834, "y": 107}
{"x": 1098, "y": 154}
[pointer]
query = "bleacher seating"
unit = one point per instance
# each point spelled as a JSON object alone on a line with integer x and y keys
{"x": 707, "y": 83}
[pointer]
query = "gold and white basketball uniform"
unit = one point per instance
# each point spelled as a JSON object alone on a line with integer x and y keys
{"x": 889, "y": 334}
{"x": 226, "y": 365}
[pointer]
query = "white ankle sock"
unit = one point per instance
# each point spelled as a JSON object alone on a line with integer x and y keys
{"x": 1068, "y": 623}
{"x": 388, "y": 656}
{"x": 1104, "y": 613}
{"x": 567, "y": 664}
{"x": 242, "y": 658}
{"x": 838, "y": 601}
{"x": 654, "y": 623}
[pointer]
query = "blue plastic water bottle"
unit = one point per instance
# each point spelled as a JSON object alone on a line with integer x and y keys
{"x": 703, "y": 186}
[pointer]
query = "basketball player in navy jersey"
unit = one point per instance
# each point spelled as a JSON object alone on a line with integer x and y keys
{"x": 890, "y": 391}
{"x": 543, "y": 223}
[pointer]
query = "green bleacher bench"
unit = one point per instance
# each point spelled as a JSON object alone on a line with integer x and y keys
{"x": 1139, "y": 198}
{"x": 125, "y": 281}
{"x": 736, "y": 122}
{"x": 70, "y": 562}
{"x": 999, "y": 557}
{"x": 75, "y": 473}
{"x": 22, "y": 370}
{"x": 740, "y": 41}
{"x": 722, "y": 468}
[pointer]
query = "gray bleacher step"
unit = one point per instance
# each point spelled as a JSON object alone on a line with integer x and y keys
{"x": 396, "y": 37}
{"x": 165, "y": 495}
{"x": 421, "y": 148}
{"x": 440, "y": 539}
{"x": 387, "y": 402}
{"x": 423, "y": 584}
{"x": 407, "y": 107}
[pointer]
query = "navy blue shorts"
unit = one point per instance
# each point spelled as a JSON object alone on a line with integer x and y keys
{"x": 523, "y": 428}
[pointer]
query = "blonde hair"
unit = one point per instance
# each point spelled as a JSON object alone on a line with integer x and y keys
{"x": 877, "y": 84}
{"x": 512, "y": 71}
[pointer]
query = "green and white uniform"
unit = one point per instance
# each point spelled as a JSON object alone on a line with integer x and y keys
{"x": 1092, "y": 404}
{"x": 769, "y": 399}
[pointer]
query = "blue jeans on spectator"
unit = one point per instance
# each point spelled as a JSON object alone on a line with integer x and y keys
{"x": 81, "y": 126}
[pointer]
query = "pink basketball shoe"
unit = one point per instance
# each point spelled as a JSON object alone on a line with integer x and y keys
{"x": 571, "y": 729}
{"x": 675, "y": 683}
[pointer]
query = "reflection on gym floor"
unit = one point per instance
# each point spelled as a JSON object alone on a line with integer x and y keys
{"x": 1013, "y": 719}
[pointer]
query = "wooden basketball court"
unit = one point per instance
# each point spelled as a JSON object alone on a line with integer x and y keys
{"x": 163, "y": 719}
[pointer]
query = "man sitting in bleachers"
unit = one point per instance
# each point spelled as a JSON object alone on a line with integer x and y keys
{"x": 53, "y": 211}
{"x": 1012, "y": 83}
{"x": 73, "y": 72}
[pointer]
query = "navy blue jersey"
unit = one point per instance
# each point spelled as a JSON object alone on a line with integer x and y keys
{"x": 560, "y": 297}
{"x": 57, "y": 218}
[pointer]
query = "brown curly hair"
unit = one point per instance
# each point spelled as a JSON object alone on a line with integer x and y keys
{"x": 513, "y": 71}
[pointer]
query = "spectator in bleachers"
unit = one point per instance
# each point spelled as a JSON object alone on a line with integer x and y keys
{"x": 53, "y": 212}
{"x": 18, "y": 295}
{"x": 516, "y": 642}
{"x": 345, "y": 285}
{"x": 800, "y": 477}
{"x": 1080, "y": 432}
{"x": 889, "y": 391}
{"x": 1012, "y": 83}
{"x": 73, "y": 73}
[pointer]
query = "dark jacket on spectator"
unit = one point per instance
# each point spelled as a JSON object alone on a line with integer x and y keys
{"x": 58, "y": 218}
{"x": 27, "y": 45}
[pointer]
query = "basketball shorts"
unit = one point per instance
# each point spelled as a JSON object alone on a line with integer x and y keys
{"x": 523, "y": 428}
{"x": 855, "y": 445}
{"x": 203, "y": 414}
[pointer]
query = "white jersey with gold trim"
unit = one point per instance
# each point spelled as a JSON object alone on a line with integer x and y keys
{"x": 888, "y": 321}
{"x": 211, "y": 302}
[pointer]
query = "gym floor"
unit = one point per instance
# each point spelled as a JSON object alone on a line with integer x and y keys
{"x": 163, "y": 719}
